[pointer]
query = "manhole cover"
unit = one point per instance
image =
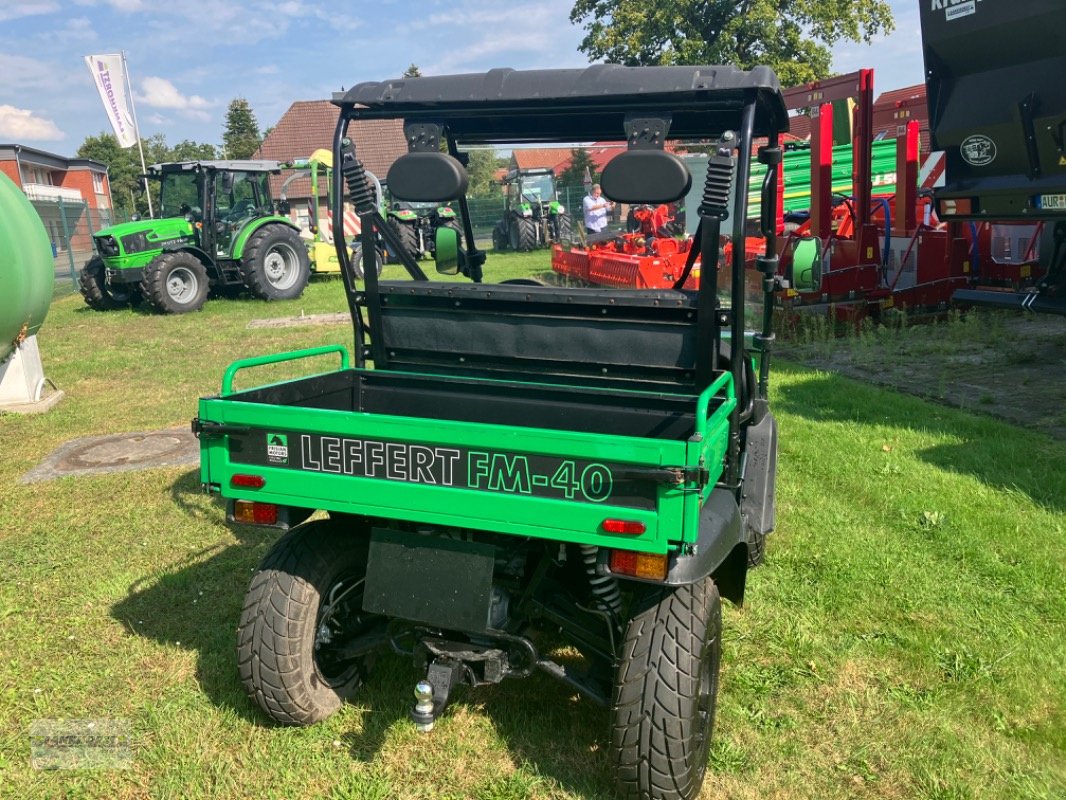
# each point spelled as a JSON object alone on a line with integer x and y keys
{"x": 92, "y": 455}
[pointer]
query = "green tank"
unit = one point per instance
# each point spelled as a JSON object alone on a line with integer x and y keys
{"x": 27, "y": 272}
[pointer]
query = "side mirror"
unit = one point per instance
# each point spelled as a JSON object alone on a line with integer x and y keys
{"x": 227, "y": 182}
{"x": 448, "y": 255}
{"x": 807, "y": 265}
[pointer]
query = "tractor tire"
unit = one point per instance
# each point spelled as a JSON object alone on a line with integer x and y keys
{"x": 175, "y": 283}
{"x": 564, "y": 228}
{"x": 275, "y": 264}
{"x": 500, "y": 238}
{"x": 305, "y": 594}
{"x": 98, "y": 294}
{"x": 432, "y": 243}
{"x": 408, "y": 236}
{"x": 522, "y": 234}
{"x": 666, "y": 692}
{"x": 357, "y": 260}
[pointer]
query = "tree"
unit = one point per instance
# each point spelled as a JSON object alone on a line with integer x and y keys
{"x": 573, "y": 177}
{"x": 124, "y": 166}
{"x": 187, "y": 150}
{"x": 241, "y": 135}
{"x": 481, "y": 170}
{"x": 793, "y": 37}
{"x": 412, "y": 72}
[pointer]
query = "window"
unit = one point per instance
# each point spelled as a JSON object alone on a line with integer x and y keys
{"x": 98, "y": 183}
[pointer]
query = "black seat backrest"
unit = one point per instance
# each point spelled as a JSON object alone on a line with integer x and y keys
{"x": 423, "y": 177}
{"x": 585, "y": 335}
{"x": 645, "y": 176}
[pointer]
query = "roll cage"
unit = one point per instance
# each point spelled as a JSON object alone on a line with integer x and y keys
{"x": 644, "y": 106}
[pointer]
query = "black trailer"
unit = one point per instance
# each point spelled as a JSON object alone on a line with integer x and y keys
{"x": 995, "y": 71}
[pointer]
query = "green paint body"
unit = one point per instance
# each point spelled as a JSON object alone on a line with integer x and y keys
{"x": 498, "y": 497}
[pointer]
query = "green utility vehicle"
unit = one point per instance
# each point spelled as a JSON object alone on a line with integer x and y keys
{"x": 416, "y": 225}
{"x": 533, "y": 216}
{"x": 218, "y": 229}
{"x": 526, "y": 467}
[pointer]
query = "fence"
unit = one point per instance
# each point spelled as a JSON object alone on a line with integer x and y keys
{"x": 70, "y": 226}
{"x": 485, "y": 212}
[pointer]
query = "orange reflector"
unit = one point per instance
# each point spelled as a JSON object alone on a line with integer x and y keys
{"x": 639, "y": 565}
{"x": 956, "y": 206}
{"x": 255, "y": 513}
{"x": 623, "y": 526}
{"x": 248, "y": 481}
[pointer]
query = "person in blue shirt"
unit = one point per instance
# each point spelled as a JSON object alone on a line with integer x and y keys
{"x": 596, "y": 209}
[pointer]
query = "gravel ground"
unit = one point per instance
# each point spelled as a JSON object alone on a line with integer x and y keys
{"x": 1006, "y": 365}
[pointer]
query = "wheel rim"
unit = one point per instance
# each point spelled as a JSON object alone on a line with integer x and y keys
{"x": 340, "y": 619}
{"x": 281, "y": 266}
{"x": 182, "y": 285}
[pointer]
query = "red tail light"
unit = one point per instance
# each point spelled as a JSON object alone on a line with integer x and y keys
{"x": 624, "y": 526}
{"x": 248, "y": 481}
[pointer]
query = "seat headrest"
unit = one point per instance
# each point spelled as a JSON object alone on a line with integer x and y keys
{"x": 645, "y": 176}
{"x": 427, "y": 178}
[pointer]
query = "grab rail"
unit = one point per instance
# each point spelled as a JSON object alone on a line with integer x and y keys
{"x": 703, "y": 403}
{"x": 259, "y": 361}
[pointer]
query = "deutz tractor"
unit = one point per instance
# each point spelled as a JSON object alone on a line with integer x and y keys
{"x": 416, "y": 225}
{"x": 217, "y": 229}
{"x": 533, "y": 216}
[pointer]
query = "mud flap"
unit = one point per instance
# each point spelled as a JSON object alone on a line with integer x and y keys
{"x": 760, "y": 474}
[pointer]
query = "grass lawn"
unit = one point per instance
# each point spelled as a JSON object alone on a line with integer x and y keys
{"x": 905, "y": 639}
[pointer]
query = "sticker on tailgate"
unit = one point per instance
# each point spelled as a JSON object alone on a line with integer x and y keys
{"x": 526, "y": 474}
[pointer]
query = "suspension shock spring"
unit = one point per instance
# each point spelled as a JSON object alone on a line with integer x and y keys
{"x": 604, "y": 587}
{"x": 359, "y": 191}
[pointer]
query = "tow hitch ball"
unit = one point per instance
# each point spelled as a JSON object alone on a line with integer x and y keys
{"x": 431, "y": 693}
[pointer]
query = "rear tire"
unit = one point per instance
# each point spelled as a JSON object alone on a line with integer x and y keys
{"x": 357, "y": 260}
{"x": 408, "y": 237}
{"x": 666, "y": 692}
{"x": 522, "y": 234}
{"x": 98, "y": 294}
{"x": 175, "y": 282}
{"x": 500, "y": 237}
{"x": 564, "y": 228}
{"x": 289, "y": 621}
{"x": 275, "y": 264}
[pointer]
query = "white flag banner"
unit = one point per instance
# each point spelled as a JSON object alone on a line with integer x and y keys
{"x": 110, "y": 80}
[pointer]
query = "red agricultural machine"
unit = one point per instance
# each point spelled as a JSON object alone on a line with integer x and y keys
{"x": 857, "y": 229}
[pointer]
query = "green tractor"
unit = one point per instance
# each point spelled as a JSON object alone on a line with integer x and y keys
{"x": 217, "y": 229}
{"x": 416, "y": 225}
{"x": 533, "y": 216}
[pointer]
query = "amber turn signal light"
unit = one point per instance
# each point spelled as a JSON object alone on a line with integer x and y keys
{"x": 652, "y": 566}
{"x": 253, "y": 513}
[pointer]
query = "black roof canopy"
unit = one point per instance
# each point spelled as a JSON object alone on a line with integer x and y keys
{"x": 562, "y": 105}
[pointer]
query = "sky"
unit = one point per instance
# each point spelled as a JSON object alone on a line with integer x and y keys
{"x": 189, "y": 58}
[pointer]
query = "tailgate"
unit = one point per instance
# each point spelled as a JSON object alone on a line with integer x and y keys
{"x": 508, "y": 479}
